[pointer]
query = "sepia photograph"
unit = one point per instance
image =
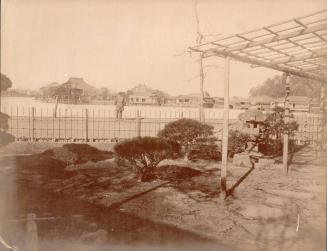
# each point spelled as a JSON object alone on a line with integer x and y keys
{"x": 163, "y": 125}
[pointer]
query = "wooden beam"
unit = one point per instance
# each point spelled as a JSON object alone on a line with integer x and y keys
{"x": 268, "y": 65}
{"x": 276, "y": 38}
{"x": 223, "y": 183}
{"x": 316, "y": 54}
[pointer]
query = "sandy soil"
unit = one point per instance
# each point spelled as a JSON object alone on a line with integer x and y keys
{"x": 269, "y": 210}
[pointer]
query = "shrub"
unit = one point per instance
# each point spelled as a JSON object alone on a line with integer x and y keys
{"x": 146, "y": 153}
{"x": 189, "y": 133}
{"x": 5, "y": 138}
{"x": 273, "y": 129}
{"x": 237, "y": 142}
{"x": 207, "y": 152}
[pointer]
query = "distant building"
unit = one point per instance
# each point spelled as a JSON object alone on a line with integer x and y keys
{"x": 261, "y": 103}
{"x": 297, "y": 103}
{"x": 240, "y": 103}
{"x": 75, "y": 90}
{"x": 143, "y": 95}
{"x": 218, "y": 102}
{"x": 315, "y": 106}
{"x": 194, "y": 99}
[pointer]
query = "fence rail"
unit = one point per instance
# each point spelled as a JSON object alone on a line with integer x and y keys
{"x": 39, "y": 124}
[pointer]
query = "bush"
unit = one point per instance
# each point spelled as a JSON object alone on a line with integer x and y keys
{"x": 273, "y": 129}
{"x": 206, "y": 152}
{"x": 237, "y": 142}
{"x": 6, "y": 138}
{"x": 146, "y": 153}
{"x": 189, "y": 133}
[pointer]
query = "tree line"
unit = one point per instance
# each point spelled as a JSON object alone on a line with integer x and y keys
{"x": 274, "y": 87}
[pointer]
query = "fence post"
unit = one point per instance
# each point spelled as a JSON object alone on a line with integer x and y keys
{"x": 31, "y": 234}
{"x": 138, "y": 123}
{"x": 86, "y": 125}
{"x": 33, "y": 124}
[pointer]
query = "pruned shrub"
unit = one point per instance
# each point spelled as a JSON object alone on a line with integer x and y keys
{"x": 86, "y": 152}
{"x": 5, "y": 138}
{"x": 144, "y": 154}
{"x": 206, "y": 152}
{"x": 189, "y": 133}
{"x": 237, "y": 142}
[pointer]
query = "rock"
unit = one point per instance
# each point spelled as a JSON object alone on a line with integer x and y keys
{"x": 260, "y": 211}
{"x": 277, "y": 166}
{"x": 260, "y": 165}
{"x": 269, "y": 231}
{"x": 266, "y": 161}
{"x": 98, "y": 237}
{"x": 92, "y": 226}
{"x": 242, "y": 159}
{"x": 275, "y": 201}
{"x": 291, "y": 194}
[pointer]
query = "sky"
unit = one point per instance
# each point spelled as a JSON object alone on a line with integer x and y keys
{"x": 119, "y": 44}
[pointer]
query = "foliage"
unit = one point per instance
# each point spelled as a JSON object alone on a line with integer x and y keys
{"x": 272, "y": 130}
{"x": 146, "y": 153}
{"x": 5, "y": 138}
{"x": 189, "y": 133}
{"x": 274, "y": 126}
{"x": 207, "y": 152}
{"x": 274, "y": 87}
{"x": 237, "y": 142}
{"x": 5, "y": 82}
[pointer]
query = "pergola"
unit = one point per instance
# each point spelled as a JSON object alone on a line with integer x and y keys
{"x": 296, "y": 47}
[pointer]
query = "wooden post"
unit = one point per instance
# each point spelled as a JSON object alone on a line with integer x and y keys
{"x": 33, "y": 124}
{"x": 323, "y": 115}
{"x": 31, "y": 234}
{"x": 223, "y": 184}
{"x": 138, "y": 123}
{"x": 86, "y": 125}
{"x": 286, "y": 80}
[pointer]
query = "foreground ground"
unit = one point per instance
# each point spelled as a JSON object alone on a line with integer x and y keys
{"x": 268, "y": 210}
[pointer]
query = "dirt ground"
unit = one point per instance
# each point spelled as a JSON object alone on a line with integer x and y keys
{"x": 268, "y": 210}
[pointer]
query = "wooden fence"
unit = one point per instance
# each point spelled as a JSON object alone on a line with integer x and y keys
{"x": 90, "y": 125}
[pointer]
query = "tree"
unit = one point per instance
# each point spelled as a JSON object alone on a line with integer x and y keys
{"x": 274, "y": 87}
{"x": 5, "y": 82}
{"x": 5, "y": 138}
{"x": 237, "y": 142}
{"x": 189, "y": 133}
{"x": 144, "y": 154}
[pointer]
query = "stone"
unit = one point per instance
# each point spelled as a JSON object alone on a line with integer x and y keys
{"x": 260, "y": 211}
{"x": 275, "y": 201}
{"x": 277, "y": 166}
{"x": 260, "y": 165}
{"x": 266, "y": 161}
{"x": 242, "y": 159}
{"x": 291, "y": 194}
{"x": 98, "y": 237}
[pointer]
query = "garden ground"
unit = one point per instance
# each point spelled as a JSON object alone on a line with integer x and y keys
{"x": 268, "y": 210}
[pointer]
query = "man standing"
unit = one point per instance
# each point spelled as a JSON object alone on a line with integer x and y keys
{"x": 120, "y": 103}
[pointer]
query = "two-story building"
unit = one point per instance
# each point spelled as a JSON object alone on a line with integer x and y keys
{"x": 296, "y": 103}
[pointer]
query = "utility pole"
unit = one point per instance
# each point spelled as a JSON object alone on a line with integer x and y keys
{"x": 199, "y": 40}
